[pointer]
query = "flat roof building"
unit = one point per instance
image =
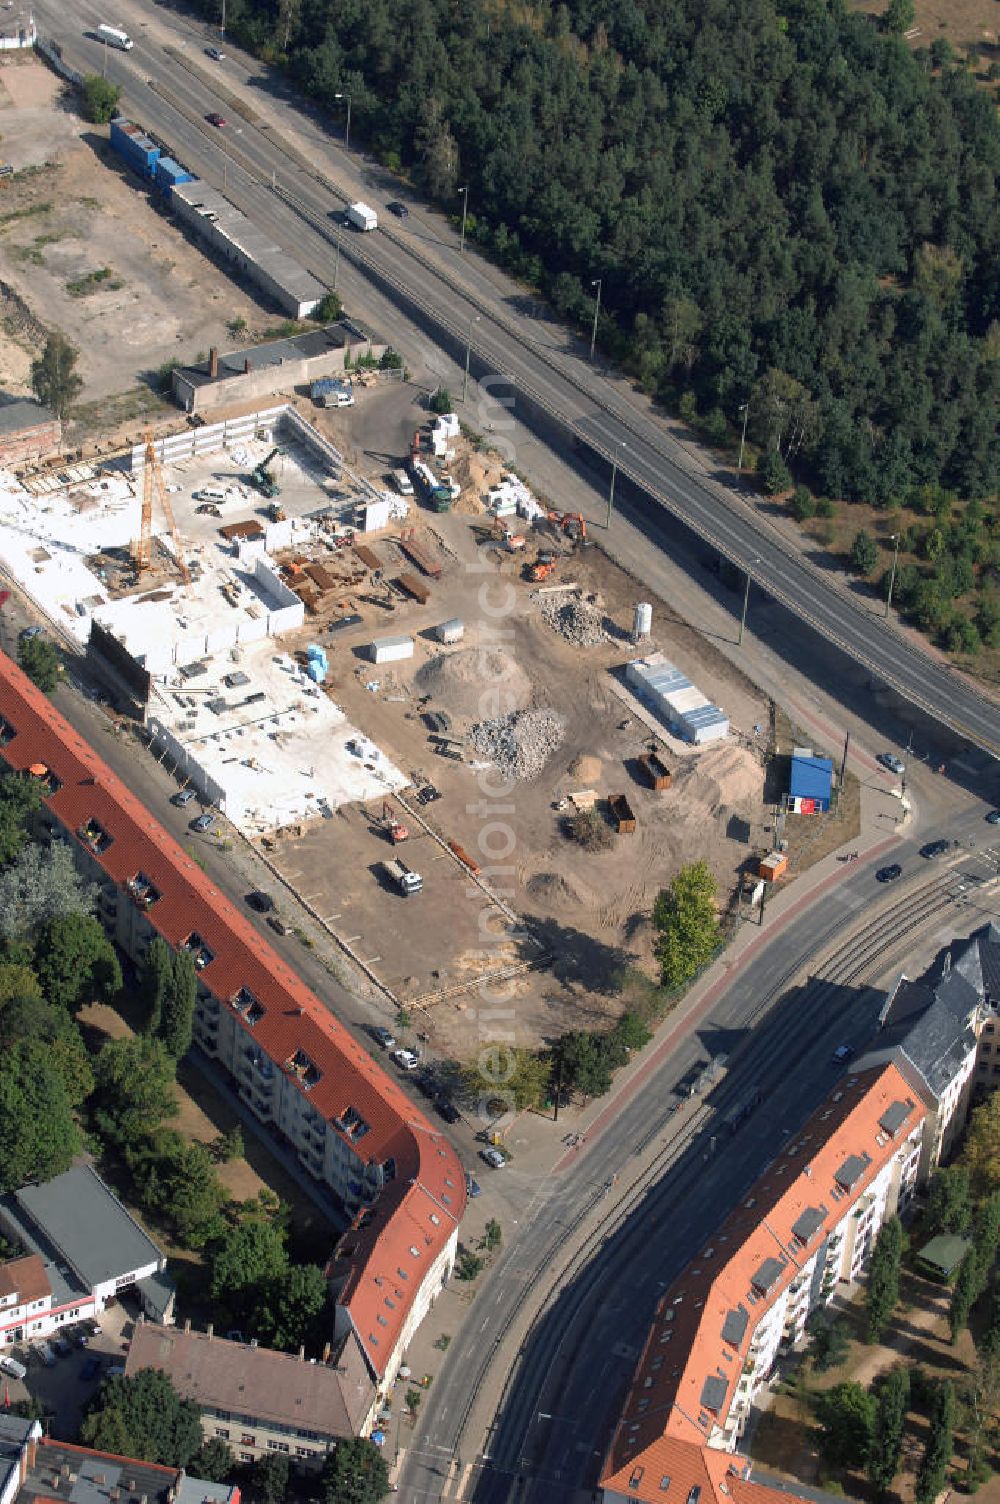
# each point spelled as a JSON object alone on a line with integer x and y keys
{"x": 682, "y": 707}
{"x": 810, "y": 783}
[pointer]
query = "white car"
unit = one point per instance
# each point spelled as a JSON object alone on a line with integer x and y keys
{"x": 495, "y": 1158}
{"x": 407, "y": 1060}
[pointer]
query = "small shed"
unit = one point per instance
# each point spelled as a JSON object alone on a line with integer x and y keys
{"x": 390, "y": 649}
{"x": 810, "y": 783}
{"x": 772, "y": 866}
{"x": 942, "y": 1255}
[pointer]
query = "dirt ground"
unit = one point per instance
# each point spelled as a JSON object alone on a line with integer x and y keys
{"x": 73, "y": 210}
{"x": 783, "y": 1440}
{"x": 587, "y": 910}
{"x": 967, "y": 24}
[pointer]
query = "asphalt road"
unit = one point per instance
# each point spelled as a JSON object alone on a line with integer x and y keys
{"x": 557, "y": 1386}
{"x": 457, "y": 301}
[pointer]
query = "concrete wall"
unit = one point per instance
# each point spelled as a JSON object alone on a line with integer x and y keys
{"x": 282, "y": 376}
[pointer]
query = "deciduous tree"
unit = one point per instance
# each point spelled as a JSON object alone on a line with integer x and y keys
{"x": 144, "y": 1417}
{"x": 355, "y": 1472}
{"x": 56, "y": 384}
{"x": 76, "y": 961}
{"x": 38, "y": 658}
{"x": 37, "y": 1128}
{"x": 949, "y": 1200}
{"x": 133, "y": 1091}
{"x": 937, "y": 1453}
{"x": 883, "y": 1278}
{"x": 42, "y": 884}
{"x": 892, "y": 1401}
{"x": 846, "y": 1415}
{"x": 687, "y": 925}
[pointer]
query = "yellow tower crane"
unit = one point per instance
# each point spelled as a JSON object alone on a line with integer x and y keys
{"x": 152, "y": 481}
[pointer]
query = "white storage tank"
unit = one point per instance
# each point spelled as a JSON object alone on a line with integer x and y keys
{"x": 642, "y": 621}
{"x": 451, "y": 631}
{"x": 390, "y": 649}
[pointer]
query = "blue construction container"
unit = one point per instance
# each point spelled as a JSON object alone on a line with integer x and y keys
{"x": 138, "y": 150}
{"x": 168, "y": 173}
{"x": 811, "y": 782}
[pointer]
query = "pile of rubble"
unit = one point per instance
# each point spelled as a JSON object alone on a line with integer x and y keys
{"x": 520, "y": 744}
{"x": 573, "y": 619}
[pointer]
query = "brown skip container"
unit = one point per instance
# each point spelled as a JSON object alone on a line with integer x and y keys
{"x": 621, "y": 814}
{"x": 421, "y": 558}
{"x": 414, "y": 587}
{"x": 656, "y": 771}
{"x": 368, "y": 556}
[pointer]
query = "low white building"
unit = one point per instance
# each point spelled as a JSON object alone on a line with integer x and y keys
{"x": 678, "y": 702}
{"x": 81, "y": 1250}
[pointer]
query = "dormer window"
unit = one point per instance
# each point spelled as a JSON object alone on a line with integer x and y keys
{"x": 93, "y": 834}
{"x": 7, "y": 731}
{"x": 302, "y": 1068}
{"x": 198, "y": 951}
{"x": 250, "y": 1008}
{"x": 44, "y": 775}
{"x": 143, "y": 891}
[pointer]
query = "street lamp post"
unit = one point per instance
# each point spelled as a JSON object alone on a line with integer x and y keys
{"x": 746, "y": 602}
{"x": 347, "y": 126}
{"x": 222, "y": 27}
{"x": 336, "y": 262}
{"x": 597, "y": 313}
{"x": 892, "y": 574}
{"x": 465, "y": 214}
{"x": 745, "y": 410}
{"x": 611, "y": 492}
{"x": 468, "y": 357}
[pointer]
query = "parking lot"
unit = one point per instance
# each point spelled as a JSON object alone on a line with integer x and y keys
{"x": 66, "y": 1389}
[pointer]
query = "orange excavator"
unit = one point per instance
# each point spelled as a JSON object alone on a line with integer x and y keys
{"x": 574, "y": 526}
{"x": 543, "y": 567}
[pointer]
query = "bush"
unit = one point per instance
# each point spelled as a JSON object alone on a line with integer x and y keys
{"x": 590, "y": 830}
{"x": 803, "y": 504}
{"x": 329, "y": 309}
{"x": 100, "y": 99}
{"x": 775, "y": 475}
{"x": 441, "y": 401}
{"x": 864, "y": 554}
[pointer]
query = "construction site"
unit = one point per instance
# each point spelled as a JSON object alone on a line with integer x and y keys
{"x": 323, "y": 658}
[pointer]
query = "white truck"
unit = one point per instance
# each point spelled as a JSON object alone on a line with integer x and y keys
{"x": 114, "y": 36}
{"x": 362, "y": 217}
{"x": 405, "y": 879}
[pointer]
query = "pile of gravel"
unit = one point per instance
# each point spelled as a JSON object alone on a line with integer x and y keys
{"x": 520, "y": 744}
{"x": 579, "y": 623}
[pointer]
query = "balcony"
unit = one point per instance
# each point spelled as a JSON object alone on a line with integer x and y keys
{"x": 94, "y": 836}
{"x": 142, "y": 891}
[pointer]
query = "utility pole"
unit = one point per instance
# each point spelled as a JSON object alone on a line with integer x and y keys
{"x": 468, "y": 358}
{"x": 336, "y": 263}
{"x": 743, "y": 617}
{"x": 745, "y": 410}
{"x": 597, "y": 313}
{"x": 465, "y": 214}
{"x": 611, "y": 493}
{"x": 347, "y": 127}
{"x": 892, "y": 574}
{"x": 222, "y": 28}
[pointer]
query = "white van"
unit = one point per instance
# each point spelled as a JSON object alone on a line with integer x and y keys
{"x": 211, "y": 493}
{"x": 115, "y": 37}
{"x": 402, "y": 482}
{"x": 13, "y": 1367}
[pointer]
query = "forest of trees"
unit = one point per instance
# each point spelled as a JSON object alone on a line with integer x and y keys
{"x": 784, "y": 206}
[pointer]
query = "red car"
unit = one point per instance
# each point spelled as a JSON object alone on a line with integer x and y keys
{"x": 216, "y": 119}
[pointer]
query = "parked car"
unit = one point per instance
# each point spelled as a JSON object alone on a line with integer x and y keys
{"x": 184, "y": 797}
{"x": 495, "y": 1158}
{"x": 889, "y": 874}
{"x": 90, "y": 1369}
{"x": 400, "y": 210}
{"x": 993, "y": 818}
{"x": 892, "y": 762}
{"x": 29, "y": 633}
{"x": 261, "y": 903}
{"x": 841, "y": 1053}
{"x": 351, "y": 620}
{"x": 426, "y": 1083}
{"x": 12, "y": 1367}
{"x": 202, "y": 823}
{"x": 385, "y": 1037}
{"x": 216, "y": 119}
{"x": 216, "y": 56}
{"x": 44, "y": 1354}
{"x": 116, "y": 1371}
{"x": 447, "y": 1109}
{"x": 278, "y": 925}
{"x": 61, "y": 1347}
{"x": 935, "y": 848}
{"x": 407, "y": 1060}
{"x": 472, "y": 1186}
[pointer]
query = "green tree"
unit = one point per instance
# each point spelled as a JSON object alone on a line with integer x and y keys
{"x": 583, "y": 1064}
{"x": 441, "y": 401}
{"x": 829, "y": 1342}
{"x": 329, "y": 310}
{"x": 295, "y": 1309}
{"x": 355, "y": 1472}
{"x": 154, "y": 982}
{"x": 40, "y": 885}
{"x": 686, "y": 923}
{"x": 38, "y": 658}
{"x": 883, "y": 1278}
{"x": 178, "y": 1005}
{"x": 270, "y": 1477}
{"x": 35, "y": 1021}
{"x": 229, "y": 1145}
{"x": 37, "y": 1127}
{"x": 17, "y": 981}
{"x": 899, "y": 16}
{"x": 949, "y": 1201}
{"x": 846, "y": 1416}
{"x": 56, "y": 384}
{"x": 133, "y": 1090}
{"x": 177, "y": 1181}
{"x": 864, "y": 554}
{"x": 144, "y": 1417}
{"x": 213, "y": 1460}
{"x": 986, "y": 1235}
{"x": 249, "y": 1256}
{"x": 937, "y": 1453}
{"x": 775, "y": 476}
{"x": 100, "y": 99}
{"x": 966, "y": 1292}
{"x": 20, "y": 800}
{"x": 76, "y": 961}
{"x": 892, "y": 1401}
{"x": 981, "y": 1151}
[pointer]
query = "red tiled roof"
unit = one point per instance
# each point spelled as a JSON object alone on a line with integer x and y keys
{"x": 746, "y": 1265}
{"x": 419, "y": 1209}
{"x": 25, "y": 1278}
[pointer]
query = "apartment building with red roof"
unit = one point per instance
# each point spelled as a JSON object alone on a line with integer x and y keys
{"x": 297, "y": 1070}
{"x": 807, "y": 1226}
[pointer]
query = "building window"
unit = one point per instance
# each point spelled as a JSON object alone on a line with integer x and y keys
{"x": 221, "y": 1431}
{"x": 247, "y": 1457}
{"x": 248, "y": 1441}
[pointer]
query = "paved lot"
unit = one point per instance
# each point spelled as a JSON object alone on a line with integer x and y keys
{"x": 62, "y": 1390}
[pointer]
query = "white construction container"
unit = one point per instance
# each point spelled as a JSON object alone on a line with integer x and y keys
{"x": 376, "y": 515}
{"x": 676, "y": 700}
{"x": 451, "y": 631}
{"x": 447, "y": 425}
{"x": 390, "y": 649}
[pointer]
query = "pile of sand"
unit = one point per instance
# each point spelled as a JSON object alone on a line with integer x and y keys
{"x": 586, "y": 769}
{"x": 553, "y": 890}
{"x": 458, "y": 682}
{"x": 476, "y": 474}
{"x": 721, "y": 778}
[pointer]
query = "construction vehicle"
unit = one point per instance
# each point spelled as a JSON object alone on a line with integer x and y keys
{"x": 142, "y": 548}
{"x": 263, "y": 478}
{"x": 406, "y": 880}
{"x": 574, "y": 526}
{"x": 394, "y": 828}
{"x": 275, "y": 512}
{"x": 543, "y": 567}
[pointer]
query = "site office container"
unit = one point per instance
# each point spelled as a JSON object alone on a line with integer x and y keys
{"x": 138, "y": 149}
